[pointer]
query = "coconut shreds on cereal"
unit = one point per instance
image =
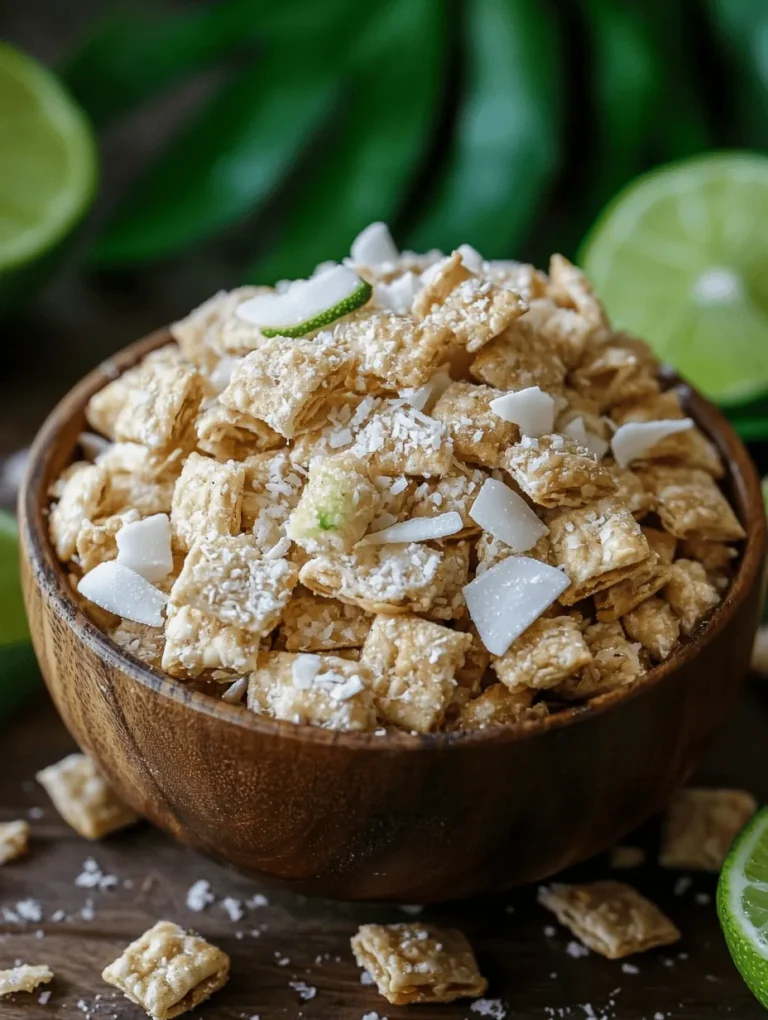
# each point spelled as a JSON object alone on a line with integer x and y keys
{"x": 416, "y": 493}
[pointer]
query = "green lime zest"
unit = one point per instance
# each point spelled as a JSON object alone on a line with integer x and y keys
{"x": 350, "y": 304}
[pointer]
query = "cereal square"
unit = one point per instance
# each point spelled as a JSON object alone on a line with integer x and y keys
{"x": 689, "y": 503}
{"x": 556, "y": 471}
{"x": 143, "y": 642}
{"x": 613, "y": 375}
{"x": 229, "y": 579}
{"x": 700, "y": 825}
{"x": 401, "y": 440}
{"x": 611, "y": 918}
{"x": 418, "y": 963}
{"x": 454, "y": 492}
{"x": 168, "y": 971}
{"x": 690, "y": 448}
{"x": 159, "y": 411}
{"x": 545, "y": 654}
{"x": 196, "y": 642}
{"x": 622, "y": 597}
{"x": 690, "y": 594}
{"x": 139, "y": 479}
{"x": 14, "y": 837}
{"x": 81, "y": 498}
{"x": 288, "y": 382}
{"x": 316, "y": 690}
{"x": 597, "y": 546}
{"x": 414, "y": 663}
{"x": 662, "y": 543}
{"x": 520, "y": 358}
{"x": 398, "y": 349}
{"x": 24, "y": 978}
{"x": 570, "y": 288}
{"x": 207, "y": 500}
{"x": 498, "y": 706}
{"x": 629, "y": 490}
{"x": 83, "y": 798}
{"x": 200, "y": 334}
{"x": 654, "y": 624}
{"x": 479, "y": 435}
{"x": 312, "y": 623}
{"x": 615, "y": 663}
{"x": 97, "y": 540}
{"x": 565, "y": 330}
{"x": 335, "y": 507}
{"x": 272, "y": 490}
{"x": 227, "y": 434}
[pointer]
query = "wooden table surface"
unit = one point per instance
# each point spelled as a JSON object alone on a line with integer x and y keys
{"x": 290, "y": 946}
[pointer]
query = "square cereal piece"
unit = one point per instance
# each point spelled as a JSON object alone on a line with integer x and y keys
{"x": 104, "y": 407}
{"x": 570, "y": 288}
{"x": 314, "y": 624}
{"x": 556, "y": 471}
{"x": 654, "y": 624}
{"x": 97, "y": 540}
{"x": 611, "y": 918}
{"x": 207, "y": 500}
{"x": 414, "y": 663}
{"x": 167, "y": 971}
{"x": 615, "y": 663}
{"x": 689, "y": 503}
{"x": 144, "y": 643}
{"x": 548, "y": 652}
{"x": 418, "y": 963}
{"x": 81, "y": 498}
{"x": 401, "y": 440}
{"x": 479, "y": 435}
{"x": 629, "y": 490}
{"x": 526, "y": 279}
{"x": 662, "y": 543}
{"x": 227, "y": 434}
{"x": 199, "y": 334}
{"x": 490, "y": 551}
{"x": 477, "y": 660}
{"x": 613, "y": 375}
{"x": 565, "y": 330}
{"x": 597, "y": 546}
{"x": 139, "y": 479}
{"x": 448, "y": 602}
{"x": 713, "y": 556}
{"x": 455, "y": 492}
{"x": 690, "y": 594}
{"x": 159, "y": 411}
{"x": 398, "y": 349}
{"x": 229, "y": 579}
{"x": 700, "y": 825}
{"x": 386, "y": 578}
{"x": 612, "y": 603}
{"x": 272, "y": 489}
{"x": 24, "y": 978}
{"x": 520, "y": 358}
{"x": 336, "y": 505}
{"x": 83, "y": 798}
{"x": 288, "y": 382}
{"x": 14, "y": 837}
{"x": 314, "y": 690}
{"x": 498, "y": 706}
{"x": 474, "y": 309}
{"x": 195, "y": 642}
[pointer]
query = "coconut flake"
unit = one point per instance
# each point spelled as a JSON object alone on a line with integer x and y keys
{"x": 234, "y": 693}
{"x": 122, "y": 591}
{"x": 424, "y": 398}
{"x": 471, "y": 258}
{"x": 596, "y": 445}
{"x": 416, "y": 529}
{"x": 398, "y": 295}
{"x": 301, "y": 301}
{"x": 222, "y": 372}
{"x": 92, "y": 444}
{"x": 531, "y": 409}
{"x": 505, "y": 600}
{"x": 505, "y": 515}
{"x": 374, "y": 246}
{"x": 637, "y": 438}
{"x": 145, "y": 546}
{"x": 305, "y": 669}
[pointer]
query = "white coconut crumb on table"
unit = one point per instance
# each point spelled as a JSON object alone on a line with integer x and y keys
{"x": 199, "y": 895}
{"x": 550, "y": 931}
{"x": 303, "y": 990}
{"x": 576, "y": 949}
{"x": 493, "y": 1008}
{"x": 682, "y": 885}
{"x": 629, "y": 968}
{"x": 702, "y": 899}
{"x": 233, "y": 908}
{"x": 92, "y": 877}
{"x": 259, "y": 900}
{"x": 43, "y": 997}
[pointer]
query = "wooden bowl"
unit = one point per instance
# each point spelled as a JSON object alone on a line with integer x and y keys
{"x": 414, "y": 819}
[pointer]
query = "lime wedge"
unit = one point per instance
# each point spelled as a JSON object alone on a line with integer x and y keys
{"x": 681, "y": 258}
{"x": 742, "y": 904}
{"x": 47, "y": 160}
{"x": 18, "y": 671}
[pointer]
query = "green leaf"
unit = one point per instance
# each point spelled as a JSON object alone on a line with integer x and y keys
{"x": 507, "y": 146}
{"x": 370, "y": 159}
{"x": 742, "y": 28}
{"x": 225, "y": 163}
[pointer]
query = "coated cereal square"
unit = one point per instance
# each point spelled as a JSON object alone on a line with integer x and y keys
{"x": 498, "y": 706}
{"x": 81, "y": 498}
{"x": 690, "y": 593}
{"x": 453, "y": 493}
{"x": 654, "y": 624}
{"x": 314, "y": 624}
{"x": 195, "y": 642}
{"x": 612, "y": 603}
{"x": 97, "y": 540}
{"x": 200, "y": 334}
{"x": 479, "y": 435}
{"x": 418, "y": 963}
{"x": 207, "y": 500}
{"x": 615, "y": 663}
{"x": 83, "y": 798}
{"x": 700, "y": 825}
{"x": 272, "y": 489}
{"x": 556, "y": 471}
{"x": 689, "y": 503}
{"x": 400, "y": 440}
{"x": 143, "y": 642}
{"x": 518, "y": 358}
{"x": 159, "y": 411}
{"x": 611, "y": 918}
{"x": 630, "y": 490}
{"x": 414, "y": 663}
{"x": 613, "y": 375}
{"x": 565, "y": 330}
{"x": 544, "y": 655}
{"x": 24, "y": 978}
{"x": 168, "y": 971}
{"x": 228, "y": 434}
{"x": 14, "y": 837}
{"x": 399, "y": 350}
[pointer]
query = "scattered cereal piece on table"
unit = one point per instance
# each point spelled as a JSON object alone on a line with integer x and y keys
{"x": 83, "y": 797}
{"x": 14, "y": 837}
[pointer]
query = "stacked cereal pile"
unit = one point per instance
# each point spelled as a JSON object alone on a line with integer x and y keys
{"x": 415, "y": 492}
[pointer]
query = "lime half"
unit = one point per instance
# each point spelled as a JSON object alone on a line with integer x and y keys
{"x": 742, "y": 904}
{"x": 47, "y": 160}
{"x": 681, "y": 258}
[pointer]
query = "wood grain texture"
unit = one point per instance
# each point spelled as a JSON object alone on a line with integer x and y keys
{"x": 352, "y": 816}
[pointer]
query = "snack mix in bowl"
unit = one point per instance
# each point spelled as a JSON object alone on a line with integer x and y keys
{"x": 413, "y": 492}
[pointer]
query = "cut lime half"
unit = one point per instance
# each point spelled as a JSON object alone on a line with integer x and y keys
{"x": 47, "y": 160}
{"x": 681, "y": 259}
{"x": 742, "y": 904}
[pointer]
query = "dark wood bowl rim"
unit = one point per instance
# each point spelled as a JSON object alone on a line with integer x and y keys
{"x": 49, "y": 575}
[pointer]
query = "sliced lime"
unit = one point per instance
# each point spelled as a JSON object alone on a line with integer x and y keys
{"x": 47, "y": 160}
{"x": 307, "y": 305}
{"x": 742, "y": 904}
{"x": 681, "y": 258}
{"x": 18, "y": 670}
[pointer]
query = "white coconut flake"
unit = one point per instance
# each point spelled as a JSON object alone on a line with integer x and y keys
{"x": 416, "y": 529}
{"x": 425, "y": 397}
{"x": 92, "y": 444}
{"x": 305, "y": 669}
{"x": 505, "y": 515}
{"x": 145, "y": 546}
{"x": 595, "y": 444}
{"x": 398, "y": 296}
{"x": 471, "y": 258}
{"x": 301, "y": 301}
{"x": 635, "y": 439}
{"x": 374, "y": 246}
{"x": 222, "y": 373}
{"x": 122, "y": 591}
{"x": 531, "y": 409}
{"x": 505, "y": 600}
{"x": 234, "y": 693}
